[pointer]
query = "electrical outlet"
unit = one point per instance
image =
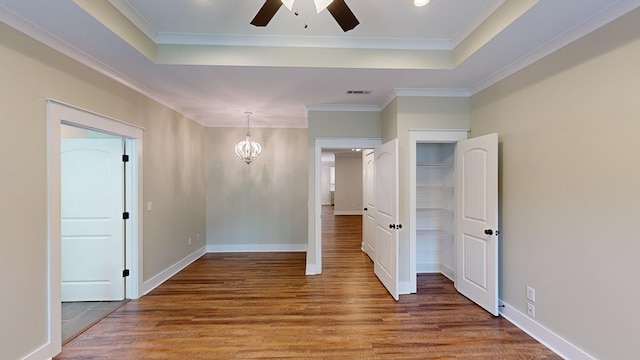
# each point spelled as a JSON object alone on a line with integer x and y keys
{"x": 198, "y": 237}
{"x": 531, "y": 310}
{"x": 189, "y": 242}
{"x": 149, "y": 206}
{"x": 531, "y": 293}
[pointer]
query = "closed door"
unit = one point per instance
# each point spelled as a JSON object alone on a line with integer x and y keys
{"x": 386, "y": 195}
{"x": 369, "y": 221}
{"x": 477, "y": 220}
{"x": 92, "y": 175}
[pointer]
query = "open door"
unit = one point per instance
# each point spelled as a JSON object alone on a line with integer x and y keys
{"x": 369, "y": 219}
{"x": 386, "y": 214}
{"x": 92, "y": 203}
{"x": 477, "y": 220}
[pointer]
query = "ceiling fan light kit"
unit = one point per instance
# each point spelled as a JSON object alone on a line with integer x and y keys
{"x": 288, "y": 4}
{"x": 321, "y": 4}
{"x": 337, "y": 8}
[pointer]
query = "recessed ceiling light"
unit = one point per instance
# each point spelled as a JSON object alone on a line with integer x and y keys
{"x": 420, "y": 2}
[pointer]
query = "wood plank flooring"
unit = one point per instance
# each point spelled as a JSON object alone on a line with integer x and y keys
{"x": 262, "y": 306}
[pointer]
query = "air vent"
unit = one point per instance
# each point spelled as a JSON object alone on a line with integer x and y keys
{"x": 358, "y": 92}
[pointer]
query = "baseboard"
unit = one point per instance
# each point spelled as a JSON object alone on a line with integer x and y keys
{"x": 427, "y": 268}
{"x": 347, "y": 212}
{"x": 312, "y": 269}
{"x": 44, "y": 352}
{"x": 448, "y": 272}
{"x": 404, "y": 287}
{"x": 257, "y": 248}
{"x": 545, "y": 336}
{"x": 165, "y": 275}
{"x": 434, "y": 268}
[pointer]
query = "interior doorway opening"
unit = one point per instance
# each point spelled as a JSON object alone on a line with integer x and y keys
{"x": 314, "y": 251}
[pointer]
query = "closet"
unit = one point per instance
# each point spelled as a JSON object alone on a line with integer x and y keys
{"x": 435, "y": 205}
{"x": 453, "y": 202}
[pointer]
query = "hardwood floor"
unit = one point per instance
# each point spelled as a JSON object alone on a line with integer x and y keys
{"x": 261, "y": 305}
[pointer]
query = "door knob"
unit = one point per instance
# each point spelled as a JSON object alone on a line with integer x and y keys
{"x": 392, "y": 226}
{"x": 365, "y": 209}
{"x": 488, "y": 232}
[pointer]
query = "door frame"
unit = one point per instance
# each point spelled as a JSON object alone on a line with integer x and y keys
{"x": 59, "y": 113}
{"x": 314, "y": 263}
{"x": 367, "y": 247}
{"x": 417, "y": 136}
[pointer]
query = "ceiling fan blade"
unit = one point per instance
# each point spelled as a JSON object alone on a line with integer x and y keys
{"x": 266, "y": 13}
{"x": 343, "y": 15}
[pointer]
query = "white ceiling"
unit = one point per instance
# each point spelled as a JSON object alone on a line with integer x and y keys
{"x": 203, "y": 58}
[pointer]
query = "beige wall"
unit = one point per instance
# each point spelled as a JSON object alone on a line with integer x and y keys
{"x": 569, "y": 129}
{"x": 348, "y": 196}
{"x": 343, "y": 124}
{"x": 173, "y": 177}
{"x": 262, "y": 204}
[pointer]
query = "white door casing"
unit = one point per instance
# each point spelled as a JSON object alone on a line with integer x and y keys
{"x": 92, "y": 203}
{"x": 477, "y": 220}
{"x": 369, "y": 220}
{"x": 58, "y": 114}
{"x": 386, "y": 195}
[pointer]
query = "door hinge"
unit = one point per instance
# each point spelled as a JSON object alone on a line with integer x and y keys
{"x": 125, "y": 272}
{"x": 125, "y": 215}
{"x": 125, "y": 158}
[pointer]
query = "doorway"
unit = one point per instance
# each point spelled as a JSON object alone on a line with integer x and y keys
{"x": 59, "y": 114}
{"x": 314, "y": 250}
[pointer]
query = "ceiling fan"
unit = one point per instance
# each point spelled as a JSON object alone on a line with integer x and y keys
{"x": 338, "y": 9}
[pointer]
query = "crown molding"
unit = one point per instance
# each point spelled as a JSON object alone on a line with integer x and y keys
{"x": 432, "y": 92}
{"x": 475, "y": 22}
{"x": 130, "y": 13}
{"x": 343, "y": 107}
{"x": 328, "y": 42}
{"x": 604, "y": 17}
{"x": 30, "y": 29}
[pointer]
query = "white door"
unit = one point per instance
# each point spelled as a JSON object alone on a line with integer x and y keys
{"x": 369, "y": 221}
{"x": 92, "y": 201}
{"x": 477, "y": 220}
{"x": 386, "y": 195}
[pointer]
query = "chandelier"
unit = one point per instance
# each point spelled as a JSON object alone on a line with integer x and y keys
{"x": 247, "y": 149}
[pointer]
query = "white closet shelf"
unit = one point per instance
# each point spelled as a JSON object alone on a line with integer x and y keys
{"x": 433, "y": 212}
{"x": 432, "y": 189}
{"x": 433, "y": 234}
{"x": 445, "y": 166}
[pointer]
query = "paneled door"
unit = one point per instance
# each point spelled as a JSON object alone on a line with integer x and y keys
{"x": 387, "y": 227}
{"x": 477, "y": 220}
{"x": 92, "y": 200}
{"x": 369, "y": 220}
